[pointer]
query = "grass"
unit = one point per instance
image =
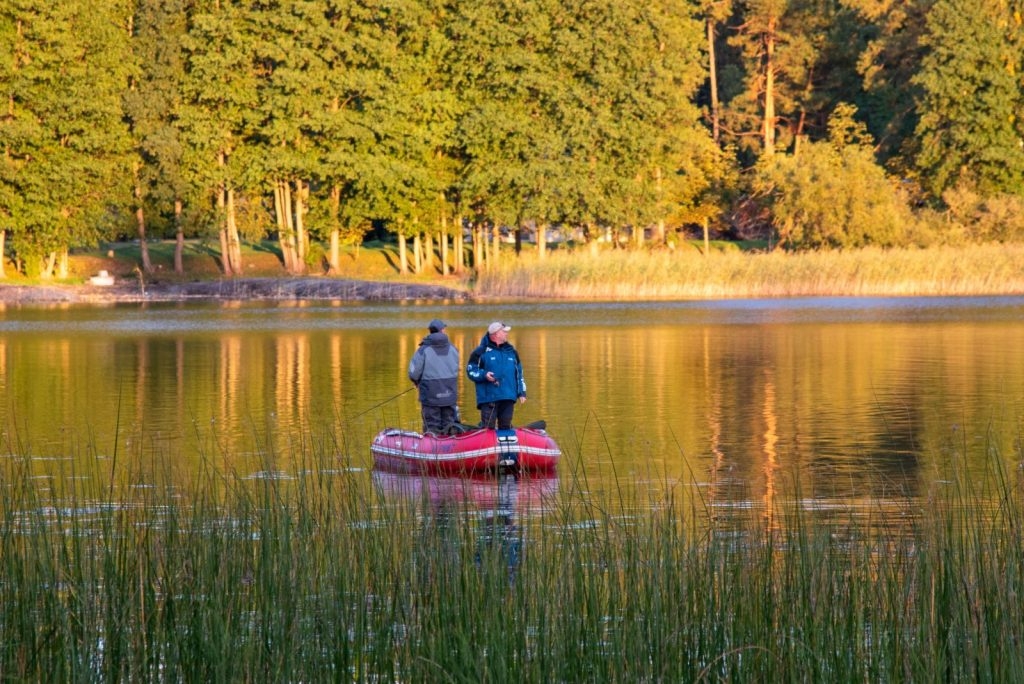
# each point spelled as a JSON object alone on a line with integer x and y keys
{"x": 318, "y": 576}
{"x": 728, "y": 270}
{"x": 687, "y": 273}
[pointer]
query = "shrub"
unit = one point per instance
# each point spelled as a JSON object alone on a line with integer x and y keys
{"x": 832, "y": 197}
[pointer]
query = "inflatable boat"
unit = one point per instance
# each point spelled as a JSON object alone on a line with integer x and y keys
{"x": 526, "y": 448}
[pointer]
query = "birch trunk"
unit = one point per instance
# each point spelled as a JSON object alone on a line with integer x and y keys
{"x": 179, "y": 239}
{"x": 334, "y": 253}
{"x": 234, "y": 241}
{"x": 140, "y": 223}
{"x": 403, "y": 258}
{"x": 301, "y": 241}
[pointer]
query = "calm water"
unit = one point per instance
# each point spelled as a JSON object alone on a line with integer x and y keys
{"x": 854, "y": 400}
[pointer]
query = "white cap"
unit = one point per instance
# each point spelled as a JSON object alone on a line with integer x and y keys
{"x": 496, "y": 326}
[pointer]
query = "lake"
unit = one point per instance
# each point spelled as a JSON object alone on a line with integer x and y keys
{"x": 844, "y": 402}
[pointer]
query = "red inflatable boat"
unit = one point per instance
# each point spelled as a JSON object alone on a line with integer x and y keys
{"x": 478, "y": 450}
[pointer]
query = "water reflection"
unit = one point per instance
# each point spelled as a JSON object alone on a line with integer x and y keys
{"x": 832, "y": 400}
{"x": 492, "y": 504}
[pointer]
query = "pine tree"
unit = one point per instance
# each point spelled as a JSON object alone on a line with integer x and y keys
{"x": 970, "y": 126}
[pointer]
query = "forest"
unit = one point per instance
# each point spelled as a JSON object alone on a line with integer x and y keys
{"x": 809, "y": 124}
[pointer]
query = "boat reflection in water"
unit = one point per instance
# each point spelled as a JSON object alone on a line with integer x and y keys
{"x": 493, "y": 503}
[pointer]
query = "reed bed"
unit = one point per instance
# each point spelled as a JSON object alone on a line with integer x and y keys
{"x": 688, "y": 273}
{"x": 321, "y": 576}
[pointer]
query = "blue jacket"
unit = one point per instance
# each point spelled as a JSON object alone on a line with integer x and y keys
{"x": 504, "y": 362}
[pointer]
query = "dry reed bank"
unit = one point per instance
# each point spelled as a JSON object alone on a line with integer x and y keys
{"x": 690, "y": 274}
{"x": 686, "y": 272}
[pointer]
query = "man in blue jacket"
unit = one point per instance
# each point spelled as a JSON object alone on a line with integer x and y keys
{"x": 495, "y": 369}
{"x": 434, "y": 369}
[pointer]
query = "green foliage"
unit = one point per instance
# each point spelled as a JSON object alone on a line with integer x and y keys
{"x": 577, "y": 110}
{"x": 833, "y": 194}
{"x": 64, "y": 142}
{"x": 889, "y": 57}
{"x": 413, "y": 112}
{"x": 152, "y": 102}
{"x": 970, "y": 127}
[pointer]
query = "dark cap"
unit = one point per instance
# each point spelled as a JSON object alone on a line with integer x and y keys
{"x": 437, "y": 325}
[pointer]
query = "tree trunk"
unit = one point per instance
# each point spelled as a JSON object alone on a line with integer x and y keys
{"x": 47, "y": 266}
{"x": 403, "y": 258}
{"x": 3, "y": 257}
{"x": 713, "y": 80}
{"x": 179, "y": 239}
{"x": 458, "y": 247}
{"x": 225, "y": 256}
{"x": 282, "y": 231}
{"x": 769, "y": 88}
{"x": 301, "y": 241}
{"x": 225, "y": 262}
{"x": 428, "y": 251}
{"x": 334, "y": 252}
{"x": 140, "y": 223}
{"x": 707, "y": 238}
{"x": 443, "y": 240}
{"x": 495, "y": 246}
{"x": 542, "y": 240}
{"x": 234, "y": 241}
{"x": 285, "y": 227}
{"x": 417, "y": 254}
{"x": 478, "y": 250}
{"x": 334, "y": 256}
{"x": 659, "y": 190}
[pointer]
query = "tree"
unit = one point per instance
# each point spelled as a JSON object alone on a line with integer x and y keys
{"x": 152, "y": 105}
{"x": 577, "y": 110}
{"x": 833, "y": 194}
{"x": 63, "y": 137}
{"x": 782, "y": 45}
{"x": 219, "y": 112}
{"x": 715, "y": 12}
{"x": 890, "y": 57}
{"x": 970, "y": 124}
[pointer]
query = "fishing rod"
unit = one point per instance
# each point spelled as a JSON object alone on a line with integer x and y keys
{"x": 375, "y": 406}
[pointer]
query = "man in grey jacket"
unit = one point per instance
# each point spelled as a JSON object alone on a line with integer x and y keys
{"x": 434, "y": 370}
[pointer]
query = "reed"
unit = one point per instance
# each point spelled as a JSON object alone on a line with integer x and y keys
{"x": 315, "y": 575}
{"x": 688, "y": 273}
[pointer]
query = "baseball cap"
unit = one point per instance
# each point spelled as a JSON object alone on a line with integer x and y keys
{"x": 437, "y": 325}
{"x": 496, "y": 326}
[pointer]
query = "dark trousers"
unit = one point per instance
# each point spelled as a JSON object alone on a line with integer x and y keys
{"x": 497, "y": 413}
{"x": 438, "y": 419}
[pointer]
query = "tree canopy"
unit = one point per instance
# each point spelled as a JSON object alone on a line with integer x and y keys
{"x": 313, "y": 121}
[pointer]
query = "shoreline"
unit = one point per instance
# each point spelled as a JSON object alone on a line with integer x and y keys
{"x": 240, "y": 289}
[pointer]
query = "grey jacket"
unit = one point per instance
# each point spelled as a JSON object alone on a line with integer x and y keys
{"x": 435, "y": 369}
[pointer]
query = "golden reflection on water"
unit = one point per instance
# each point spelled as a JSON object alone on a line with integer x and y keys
{"x": 738, "y": 414}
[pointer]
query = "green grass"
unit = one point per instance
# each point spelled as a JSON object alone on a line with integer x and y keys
{"x": 318, "y": 576}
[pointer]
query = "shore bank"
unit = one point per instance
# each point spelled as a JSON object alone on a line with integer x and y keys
{"x": 240, "y": 289}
